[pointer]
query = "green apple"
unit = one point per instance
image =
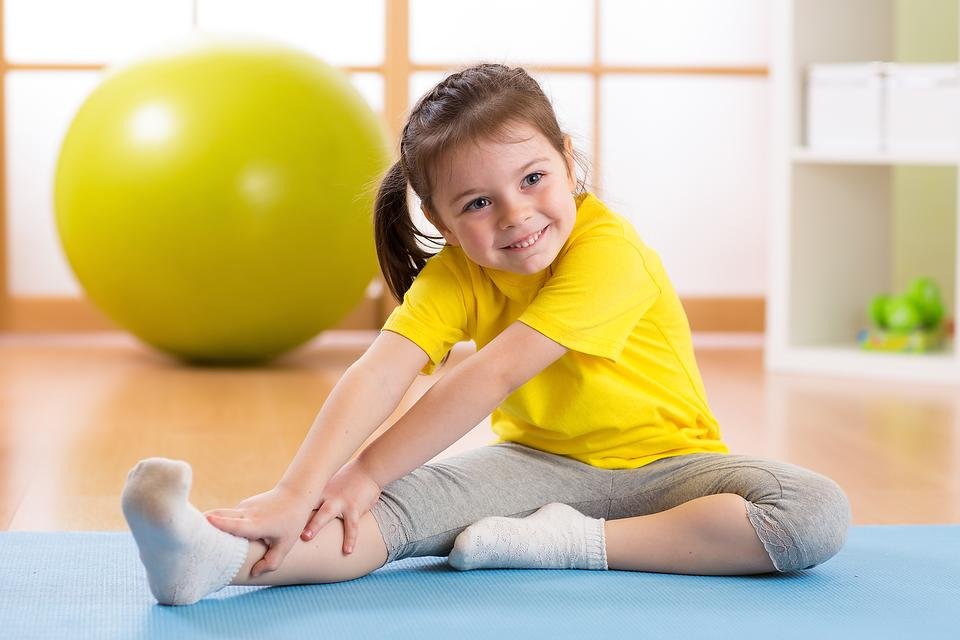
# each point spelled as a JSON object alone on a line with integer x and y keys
{"x": 902, "y": 314}
{"x": 925, "y": 295}
{"x": 878, "y": 314}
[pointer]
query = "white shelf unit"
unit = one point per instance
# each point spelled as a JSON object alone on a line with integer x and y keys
{"x": 831, "y": 243}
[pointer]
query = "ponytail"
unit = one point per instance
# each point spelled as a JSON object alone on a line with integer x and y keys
{"x": 400, "y": 257}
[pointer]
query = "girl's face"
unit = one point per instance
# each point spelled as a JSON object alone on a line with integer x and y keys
{"x": 508, "y": 205}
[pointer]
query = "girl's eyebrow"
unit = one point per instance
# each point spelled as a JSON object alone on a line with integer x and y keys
{"x": 520, "y": 170}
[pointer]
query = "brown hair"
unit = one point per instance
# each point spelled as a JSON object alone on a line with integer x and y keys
{"x": 473, "y": 104}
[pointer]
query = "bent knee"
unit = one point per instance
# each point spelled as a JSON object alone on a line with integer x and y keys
{"x": 804, "y": 531}
{"x": 834, "y": 517}
{"x": 823, "y": 520}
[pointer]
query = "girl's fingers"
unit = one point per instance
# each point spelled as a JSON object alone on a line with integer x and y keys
{"x": 236, "y": 526}
{"x": 270, "y": 561}
{"x": 319, "y": 520}
{"x": 225, "y": 513}
{"x": 349, "y": 534}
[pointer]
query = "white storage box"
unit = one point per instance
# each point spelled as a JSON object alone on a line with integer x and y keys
{"x": 845, "y": 106}
{"x": 923, "y": 107}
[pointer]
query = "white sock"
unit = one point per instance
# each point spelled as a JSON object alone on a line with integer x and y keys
{"x": 557, "y": 536}
{"x": 186, "y": 557}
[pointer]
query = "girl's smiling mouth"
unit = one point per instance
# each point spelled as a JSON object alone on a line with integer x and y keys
{"x": 529, "y": 241}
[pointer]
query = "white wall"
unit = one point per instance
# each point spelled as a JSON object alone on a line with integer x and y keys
{"x": 683, "y": 156}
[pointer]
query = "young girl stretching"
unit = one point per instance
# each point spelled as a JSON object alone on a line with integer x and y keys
{"x": 608, "y": 456}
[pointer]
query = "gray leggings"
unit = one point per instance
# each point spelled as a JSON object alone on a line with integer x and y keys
{"x": 800, "y": 516}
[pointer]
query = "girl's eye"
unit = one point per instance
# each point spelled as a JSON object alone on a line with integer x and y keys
{"x": 529, "y": 181}
{"x": 533, "y": 178}
{"x": 470, "y": 205}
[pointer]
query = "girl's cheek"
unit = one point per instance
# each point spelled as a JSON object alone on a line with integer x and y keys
{"x": 474, "y": 235}
{"x": 477, "y": 242}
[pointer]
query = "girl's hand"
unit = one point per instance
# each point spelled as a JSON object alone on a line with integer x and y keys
{"x": 349, "y": 494}
{"x": 273, "y": 517}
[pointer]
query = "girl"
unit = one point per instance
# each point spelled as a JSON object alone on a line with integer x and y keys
{"x": 608, "y": 454}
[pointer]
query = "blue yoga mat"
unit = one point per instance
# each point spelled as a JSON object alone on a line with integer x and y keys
{"x": 888, "y": 582}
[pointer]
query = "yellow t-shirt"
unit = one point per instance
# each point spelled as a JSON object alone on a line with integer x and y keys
{"x": 627, "y": 392}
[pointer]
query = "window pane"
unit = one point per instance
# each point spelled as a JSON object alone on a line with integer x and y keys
{"x": 685, "y": 159}
{"x": 572, "y": 97}
{"x": 341, "y": 33}
{"x": 420, "y": 83}
{"x": 370, "y": 86}
{"x": 685, "y": 32}
{"x": 510, "y": 31}
{"x": 40, "y": 107}
{"x": 92, "y": 31}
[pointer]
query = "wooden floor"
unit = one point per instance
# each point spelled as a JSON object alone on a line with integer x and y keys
{"x": 77, "y": 412}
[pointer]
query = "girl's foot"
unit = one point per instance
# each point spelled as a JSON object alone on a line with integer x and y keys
{"x": 186, "y": 557}
{"x": 557, "y": 536}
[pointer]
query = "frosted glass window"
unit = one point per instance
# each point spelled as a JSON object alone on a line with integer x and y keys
{"x": 572, "y": 98}
{"x": 511, "y": 31}
{"x": 340, "y": 33}
{"x": 91, "y": 31}
{"x": 685, "y": 32}
{"x": 370, "y": 86}
{"x": 422, "y": 82}
{"x": 40, "y": 106}
{"x": 685, "y": 159}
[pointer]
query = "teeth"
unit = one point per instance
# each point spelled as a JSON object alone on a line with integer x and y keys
{"x": 529, "y": 241}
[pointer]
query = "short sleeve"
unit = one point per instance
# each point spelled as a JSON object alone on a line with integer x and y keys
{"x": 599, "y": 291}
{"x": 432, "y": 314}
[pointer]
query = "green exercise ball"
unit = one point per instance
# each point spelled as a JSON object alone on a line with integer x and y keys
{"x": 215, "y": 198}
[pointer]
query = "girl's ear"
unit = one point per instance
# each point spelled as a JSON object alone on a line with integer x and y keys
{"x": 436, "y": 222}
{"x": 571, "y": 166}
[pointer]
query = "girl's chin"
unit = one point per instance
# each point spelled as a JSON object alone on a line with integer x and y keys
{"x": 528, "y": 267}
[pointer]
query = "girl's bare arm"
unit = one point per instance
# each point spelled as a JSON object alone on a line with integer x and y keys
{"x": 365, "y": 396}
{"x": 459, "y": 401}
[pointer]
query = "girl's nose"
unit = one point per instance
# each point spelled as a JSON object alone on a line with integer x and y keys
{"x": 515, "y": 218}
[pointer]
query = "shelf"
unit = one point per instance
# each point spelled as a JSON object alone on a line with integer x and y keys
{"x": 941, "y": 367}
{"x": 816, "y": 156}
{"x": 848, "y": 224}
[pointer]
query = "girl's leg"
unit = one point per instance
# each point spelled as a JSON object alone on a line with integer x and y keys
{"x": 419, "y": 514}
{"x": 710, "y": 535}
{"x": 422, "y": 513}
{"x": 321, "y": 560}
{"x": 705, "y": 514}
{"x": 713, "y": 513}
{"x": 187, "y": 558}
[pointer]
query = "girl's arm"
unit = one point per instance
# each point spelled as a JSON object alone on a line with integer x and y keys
{"x": 365, "y": 396}
{"x": 459, "y": 401}
{"x": 451, "y": 407}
